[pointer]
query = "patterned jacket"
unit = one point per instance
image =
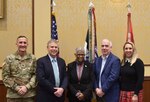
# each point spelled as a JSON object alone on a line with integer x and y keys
{"x": 18, "y": 71}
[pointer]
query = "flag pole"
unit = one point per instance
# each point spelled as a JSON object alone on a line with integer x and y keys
{"x": 92, "y": 33}
{"x": 129, "y": 24}
{"x": 51, "y": 10}
{"x": 51, "y": 6}
{"x": 91, "y": 38}
{"x": 52, "y": 14}
{"x": 90, "y": 30}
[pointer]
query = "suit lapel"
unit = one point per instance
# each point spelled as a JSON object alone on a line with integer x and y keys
{"x": 75, "y": 70}
{"x": 49, "y": 65}
{"x": 107, "y": 62}
{"x": 99, "y": 64}
{"x": 83, "y": 72}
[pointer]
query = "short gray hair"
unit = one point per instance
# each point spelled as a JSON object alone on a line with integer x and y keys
{"x": 79, "y": 49}
{"x": 52, "y": 41}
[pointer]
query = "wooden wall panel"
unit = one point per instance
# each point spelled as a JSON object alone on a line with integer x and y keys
{"x": 146, "y": 89}
{"x": 2, "y": 92}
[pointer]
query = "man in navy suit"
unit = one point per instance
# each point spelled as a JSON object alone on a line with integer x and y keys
{"x": 106, "y": 70}
{"x": 51, "y": 76}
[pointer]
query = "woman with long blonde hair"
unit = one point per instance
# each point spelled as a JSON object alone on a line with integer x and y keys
{"x": 132, "y": 75}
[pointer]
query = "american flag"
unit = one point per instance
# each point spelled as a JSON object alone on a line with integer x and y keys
{"x": 54, "y": 34}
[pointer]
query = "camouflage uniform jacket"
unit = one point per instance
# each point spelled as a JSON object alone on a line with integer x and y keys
{"x": 18, "y": 71}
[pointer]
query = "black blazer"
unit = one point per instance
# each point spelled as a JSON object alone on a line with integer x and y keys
{"x": 84, "y": 84}
{"x": 46, "y": 80}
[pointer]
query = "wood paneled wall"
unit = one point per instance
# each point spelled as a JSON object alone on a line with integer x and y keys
{"x": 2, "y": 92}
{"x": 146, "y": 91}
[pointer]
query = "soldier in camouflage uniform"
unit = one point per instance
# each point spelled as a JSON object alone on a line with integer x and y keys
{"x": 18, "y": 73}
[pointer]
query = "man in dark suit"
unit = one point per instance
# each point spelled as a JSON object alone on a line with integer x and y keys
{"x": 80, "y": 74}
{"x": 106, "y": 70}
{"x": 51, "y": 76}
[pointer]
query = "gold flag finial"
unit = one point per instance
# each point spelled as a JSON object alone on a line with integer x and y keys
{"x": 129, "y": 6}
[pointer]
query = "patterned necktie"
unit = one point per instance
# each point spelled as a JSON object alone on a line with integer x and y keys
{"x": 56, "y": 72}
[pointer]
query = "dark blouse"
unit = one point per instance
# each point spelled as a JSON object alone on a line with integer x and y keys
{"x": 132, "y": 77}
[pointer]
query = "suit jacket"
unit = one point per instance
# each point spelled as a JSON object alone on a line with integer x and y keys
{"x": 109, "y": 77}
{"x": 46, "y": 80}
{"x": 85, "y": 84}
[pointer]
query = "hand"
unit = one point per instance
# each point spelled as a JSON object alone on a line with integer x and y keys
{"x": 80, "y": 96}
{"x": 22, "y": 90}
{"x": 134, "y": 98}
{"x": 99, "y": 92}
{"x": 58, "y": 92}
{"x": 78, "y": 93}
